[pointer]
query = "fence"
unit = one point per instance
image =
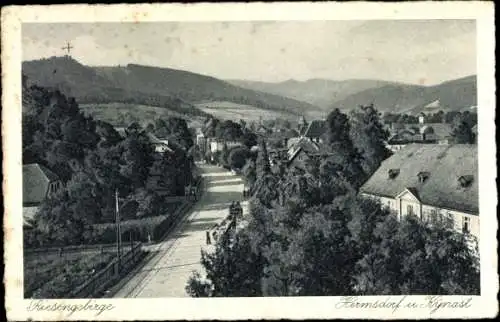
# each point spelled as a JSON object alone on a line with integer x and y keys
{"x": 111, "y": 247}
{"x": 109, "y": 275}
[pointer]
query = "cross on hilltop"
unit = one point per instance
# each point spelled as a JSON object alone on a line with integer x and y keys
{"x": 67, "y": 48}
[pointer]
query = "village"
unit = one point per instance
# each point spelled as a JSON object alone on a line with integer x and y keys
{"x": 146, "y": 181}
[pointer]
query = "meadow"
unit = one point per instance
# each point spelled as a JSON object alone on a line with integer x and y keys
{"x": 122, "y": 114}
{"x": 54, "y": 276}
{"x": 232, "y": 111}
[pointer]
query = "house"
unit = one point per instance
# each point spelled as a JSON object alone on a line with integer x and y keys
{"x": 434, "y": 182}
{"x": 430, "y": 133}
{"x": 160, "y": 146}
{"x": 216, "y": 144}
{"x": 39, "y": 184}
{"x": 304, "y": 151}
{"x": 315, "y": 130}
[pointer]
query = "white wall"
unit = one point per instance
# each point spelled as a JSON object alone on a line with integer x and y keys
{"x": 424, "y": 212}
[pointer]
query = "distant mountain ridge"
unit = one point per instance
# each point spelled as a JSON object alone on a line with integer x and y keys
{"x": 455, "y": 95}
{"x": 387, "y": 96}
{"x": 320, "y": 92}
{"x": 149, "y": 85}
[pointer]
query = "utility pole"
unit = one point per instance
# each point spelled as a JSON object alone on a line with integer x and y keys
{"x": 118, "y": 231}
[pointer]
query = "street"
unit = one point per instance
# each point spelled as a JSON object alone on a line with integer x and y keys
{"x": 167, "y": 273}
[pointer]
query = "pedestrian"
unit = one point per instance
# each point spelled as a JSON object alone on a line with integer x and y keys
{"x": 208, "y": 238}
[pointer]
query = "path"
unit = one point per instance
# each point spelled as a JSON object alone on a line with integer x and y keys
{"x": 167, "y": 273}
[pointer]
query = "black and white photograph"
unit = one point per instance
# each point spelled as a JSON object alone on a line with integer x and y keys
{"x": 251, "y": 158}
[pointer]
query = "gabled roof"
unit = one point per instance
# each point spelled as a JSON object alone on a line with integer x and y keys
{"x": 36, "y": 178}
{"x": 303, "y": 144}
{"x": 154, "y": 139}
{"x": 121, "y": 131}
{"x": 315, "y": 129}
{"x": 445, "y": 165}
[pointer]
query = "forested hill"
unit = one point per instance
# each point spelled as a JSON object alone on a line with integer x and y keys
{"x": 86, "y": 85}
{"x": 455, "y": 95}
{"x": 149, "y": 85}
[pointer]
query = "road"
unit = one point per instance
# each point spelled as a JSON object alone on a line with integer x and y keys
{"x": 166, "y": 274}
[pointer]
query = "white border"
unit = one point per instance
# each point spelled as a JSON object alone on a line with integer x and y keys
{"x": 485, "y": 305}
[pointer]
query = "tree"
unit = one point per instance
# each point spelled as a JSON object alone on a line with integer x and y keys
{"x": 461, "y": 132}
{"x": 137, "y": 158}
{"x": 232, "y": 270}
{"x": 228, "y": 130}
{"x": 344, "y": 160}
{"x": 174, "y": 128}
{"x": 368, "y": 136}
{"x": 238, "y": 157}
{"x": 250, "y": 173}
{"x": 249, "y": 139}
{"x": 223, "y": 156}
{"x": 410, "y": 257}
{"x": 66, "y": 219}
{"x": 262, "y": 164}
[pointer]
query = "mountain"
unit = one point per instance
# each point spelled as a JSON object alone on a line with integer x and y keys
{"x": 455, "y": 95}
{"x": 147, "y": 85}
{"x": 320, "y": 92}
{"x": 387, "y": 96}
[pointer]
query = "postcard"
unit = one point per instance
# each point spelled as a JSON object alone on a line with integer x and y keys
{"x": 240, "y": 161}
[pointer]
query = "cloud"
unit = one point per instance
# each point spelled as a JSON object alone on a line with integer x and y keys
{"x": 269, "y": 50}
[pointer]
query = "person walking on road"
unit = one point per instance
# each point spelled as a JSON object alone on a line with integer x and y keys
{"x": 208, "y": 238}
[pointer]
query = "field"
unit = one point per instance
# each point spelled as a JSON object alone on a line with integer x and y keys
{"x": 53, "y": 276}
{"x": 122, "y": 114}
{"x": 233, "y": 111}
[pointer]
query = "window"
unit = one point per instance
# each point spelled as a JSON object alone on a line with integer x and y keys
{"x": 422, "y": 176}
{"x": 465, "y": 224}
{"x": 409, "y": 210}
{"x": 450, "y": 220}
{"x": 434, "y": 216}
{"x": 465, "y": 181}
{"x": 393, "y": 173}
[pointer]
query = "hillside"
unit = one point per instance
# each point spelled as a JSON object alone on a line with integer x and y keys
{"x": 455, "y": 95}
{"x": 153, "y": 86}
{"x": 232, "y": 111}
{"x": 319, "y": 92}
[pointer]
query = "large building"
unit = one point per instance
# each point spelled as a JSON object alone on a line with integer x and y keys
{"x": 434, "y": 182}
{"x": 39, "y": 183}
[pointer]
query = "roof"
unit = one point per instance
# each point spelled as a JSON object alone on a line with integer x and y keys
{"x": 303, "y": 144}
{"x": 292, "y": 141}
{"x": 121, "y": 131}
{"x": 441, "y": 130}
{"x": 36, "y": 178}
{"x": 433, "y": 104}
{"x": 445, "y": 165}
{"x": 315, "y": 129}
{"x": 155, "y": 140}
{"x": 29, "y": 214}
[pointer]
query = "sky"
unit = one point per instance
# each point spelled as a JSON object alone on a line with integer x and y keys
{"x": 423, "y": 52}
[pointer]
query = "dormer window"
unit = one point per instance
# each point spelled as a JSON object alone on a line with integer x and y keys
{"x": 423, "y": 176}
{"x": 465, "y": 181}
{"x": 393, "y": 173}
